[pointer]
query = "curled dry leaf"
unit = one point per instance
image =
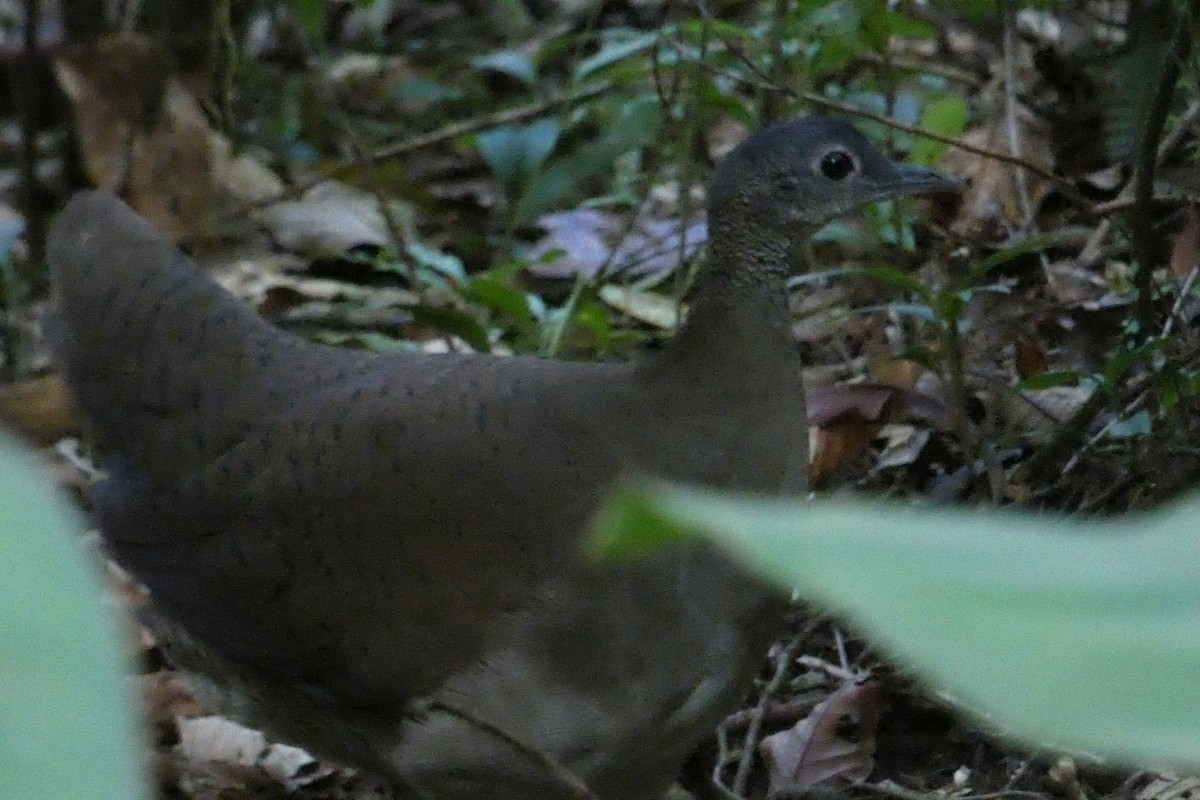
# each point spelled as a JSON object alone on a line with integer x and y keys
{"x": 141, "y": 133}
{"x": 331, "y": 218}
{"x": 991, "y": 205}
{"x": 216, "y": 739}
{"x": 846, "y": 418}
{"x": 836, "y": 740}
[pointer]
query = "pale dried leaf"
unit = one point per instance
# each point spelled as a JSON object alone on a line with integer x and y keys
{"x": 648, "y": 307}
{"x": 904, "y": 445}
{"x": 330, "y": 219}
{"x": 585, "y": 241}
{"x": 1169, "y": 786}
{"x": 836, "y": 740}
{"x": 220, "y": 739}
{"x": 1074, "y": 285}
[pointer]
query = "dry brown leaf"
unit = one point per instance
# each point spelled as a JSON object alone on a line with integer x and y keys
{"x": 900, "y": 372}
{"x": 836, "y": 740}
{"x": 141, "y": 133}
{"x": 40, "y": 409}
{"x": 1185, "y": 249}
{"x": 1030, "y": 357}
{"x": 166, "y": 700}
{"x": 991, "y": 205}
{"x": 847, "y": 417}
{"x": 835, "y": 447}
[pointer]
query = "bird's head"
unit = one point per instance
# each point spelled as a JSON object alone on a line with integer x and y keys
{"x": 789, "y": 179}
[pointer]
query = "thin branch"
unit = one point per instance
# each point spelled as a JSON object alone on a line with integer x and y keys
{"x": 762, "y": 82}
{"x": 1141, "y": 219}
{"x": 432, "y": 138}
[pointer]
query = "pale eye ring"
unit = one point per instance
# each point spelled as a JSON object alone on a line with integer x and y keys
{"x": 837, "y": 165}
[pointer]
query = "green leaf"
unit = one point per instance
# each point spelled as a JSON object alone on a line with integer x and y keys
{"x": 311, "y": 16}
{"x": 513, "y": 63}
{"x": 1031, "y": 244}
{"x": 514, "y": 153}
{"x": 947, "y": 116}
{"x": 1071, "y": 633}
{"x": 615, "y": 52}
{"x": 454, "y": 322}
{"x": 1049, "y": 380}
{"x": 67, "y": 731}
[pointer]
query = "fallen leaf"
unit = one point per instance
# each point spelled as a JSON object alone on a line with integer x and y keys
{"x": 648, "y": 307}
{"x": 846, "y": 417}
{"x": 1185, "y": 248}
{"x": 836, "y": 740}
{"x": 584, "y": 241}
{"x": 40, "y": 409}
{"x": 329, "y": 219}
{"x": 141, "y": 133}
{"x": 991, "y": 205}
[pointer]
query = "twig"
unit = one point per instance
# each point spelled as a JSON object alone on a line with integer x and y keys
{"x": 762, "y": 82}
{"x": 1141, "y": 216}
{"x": 1015, "y": 147}
{"x": 918, "y": 64}
{"x": 1184, "y": 291}
{"x": 742, "y": 776}
{"x": 463, "y": 127}
{"x": 432, "y": 138}
{"x": 890, "y": 788}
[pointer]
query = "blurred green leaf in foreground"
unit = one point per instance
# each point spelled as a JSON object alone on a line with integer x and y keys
{"x": 1076, "y": 634}
{"x": 66, "y": 720}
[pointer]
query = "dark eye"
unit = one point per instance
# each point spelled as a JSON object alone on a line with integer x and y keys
{"x": 837, "y": 164}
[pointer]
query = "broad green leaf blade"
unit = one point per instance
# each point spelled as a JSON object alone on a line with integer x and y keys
{"x": 1077, "y": 634}
{"x": 67, "y": 729}
{"x": 513, "y": 63}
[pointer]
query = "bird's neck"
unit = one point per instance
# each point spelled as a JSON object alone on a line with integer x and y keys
{"x": 739, "y": 313}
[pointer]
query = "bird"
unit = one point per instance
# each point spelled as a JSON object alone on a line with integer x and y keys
{"x": 380, "y": 557}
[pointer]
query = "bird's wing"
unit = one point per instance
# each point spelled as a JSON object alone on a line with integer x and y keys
{"x": 318, "y": 514}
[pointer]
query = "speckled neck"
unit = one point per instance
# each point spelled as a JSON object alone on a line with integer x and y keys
{"x": 739, "y": 313}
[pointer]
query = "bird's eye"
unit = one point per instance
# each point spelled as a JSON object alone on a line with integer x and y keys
{"x": 837, "y": 164}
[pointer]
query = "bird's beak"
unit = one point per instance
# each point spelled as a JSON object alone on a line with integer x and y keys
{"x": 911, "y": 179}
